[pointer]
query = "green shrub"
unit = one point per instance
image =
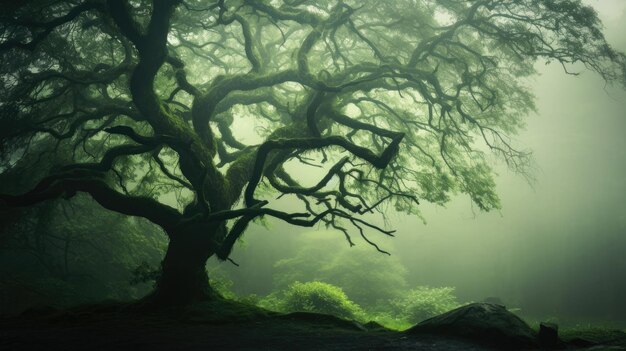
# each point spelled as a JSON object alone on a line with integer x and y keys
{"x": 425, "y": 302}
{"x": 313, "y": 296}
{"x": 388, "y": 319}
{"x": 319, "y": 258}
{"x": 223, "y": 286}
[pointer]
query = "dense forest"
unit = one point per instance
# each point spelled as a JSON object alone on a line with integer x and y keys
{"x": 232, "y": 162}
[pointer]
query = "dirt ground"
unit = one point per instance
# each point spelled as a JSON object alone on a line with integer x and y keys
{"x": 114, "y": 328}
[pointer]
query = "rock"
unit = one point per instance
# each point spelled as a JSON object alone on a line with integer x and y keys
{"x": 548, "y": 334}
{"x": 482, "y": 323}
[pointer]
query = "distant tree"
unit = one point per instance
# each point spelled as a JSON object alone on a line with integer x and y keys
{"x": 58, "y": 250}
{"x": 371, "y": 281}
{"x": 193, "y": 114}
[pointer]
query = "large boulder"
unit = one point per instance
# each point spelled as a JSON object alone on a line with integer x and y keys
{"x": 483, "y": 323}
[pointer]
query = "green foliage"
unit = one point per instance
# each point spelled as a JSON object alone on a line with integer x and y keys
{"x": 313, "y": 296}
{"x": 479, "y": 184}
{"x": 145, "y": 273}
{"x": 425, "y": 302}
{"x": 427, "y": 91}
{"x": 338, "y": 275}
{"x": 223, "y": 286}
{"x": 60, "y": 253}
{"x": 365, "y": 275}
{"x": 414, "y": 306}
{"x": 389, "y": 319}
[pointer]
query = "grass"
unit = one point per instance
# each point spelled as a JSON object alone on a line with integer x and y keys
{"x": 586, "y": 334}
{"x": 596, "y": 335}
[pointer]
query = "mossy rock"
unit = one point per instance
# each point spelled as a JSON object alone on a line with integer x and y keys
{"x": 482, "y": 323}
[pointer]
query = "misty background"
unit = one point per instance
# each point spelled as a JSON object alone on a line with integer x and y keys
{"x": 556, "y": 250}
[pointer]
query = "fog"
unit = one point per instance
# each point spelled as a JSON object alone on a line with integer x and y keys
{"x": 554, "y": 251}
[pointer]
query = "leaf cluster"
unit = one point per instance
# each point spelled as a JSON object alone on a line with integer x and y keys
{"x": 315, "y": 297}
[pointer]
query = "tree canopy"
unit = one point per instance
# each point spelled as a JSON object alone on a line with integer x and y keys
{"x": 197, "y": 114}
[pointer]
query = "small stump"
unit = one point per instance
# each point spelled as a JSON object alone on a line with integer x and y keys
{"x": 548, "y": 334}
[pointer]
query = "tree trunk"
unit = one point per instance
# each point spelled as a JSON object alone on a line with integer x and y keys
{"x": 184, "y": 279}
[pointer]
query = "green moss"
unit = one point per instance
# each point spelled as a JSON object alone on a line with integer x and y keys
{"x": 239, "y": 172}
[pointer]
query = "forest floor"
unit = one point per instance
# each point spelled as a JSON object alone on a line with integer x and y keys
{"x": 230, "y": 327}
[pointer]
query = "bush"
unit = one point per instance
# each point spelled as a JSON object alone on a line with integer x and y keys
{"x": 223, "y": 286}
{"x": 425, "y": 302}
{"x": 319, "y": 258}
{"x": 315, "y": 297}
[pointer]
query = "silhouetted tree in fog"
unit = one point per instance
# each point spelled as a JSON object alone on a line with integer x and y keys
{"x": 197, "y": 114}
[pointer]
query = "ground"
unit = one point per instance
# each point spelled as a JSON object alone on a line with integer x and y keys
{"x": 229, "y": 326}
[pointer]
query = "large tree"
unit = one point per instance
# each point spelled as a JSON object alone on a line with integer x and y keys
{"x": 195, "y": 114}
